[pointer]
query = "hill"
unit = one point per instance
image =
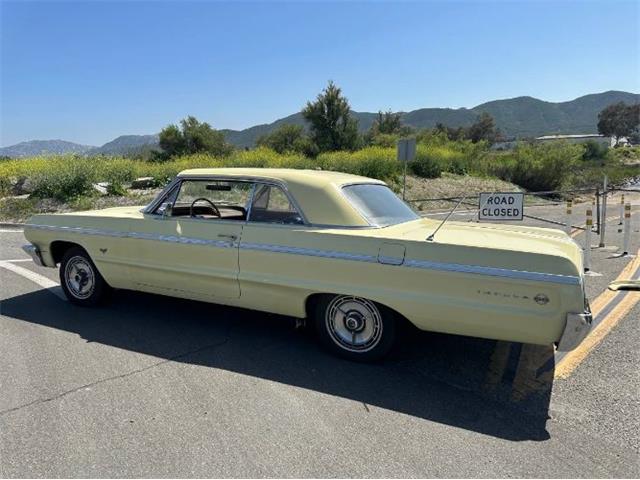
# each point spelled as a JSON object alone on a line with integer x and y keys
{"x": 126, "y": 145}
{"x": 529, "y": 117}
{"x": 43, "y": 147}
{"x": 520, "y": 117}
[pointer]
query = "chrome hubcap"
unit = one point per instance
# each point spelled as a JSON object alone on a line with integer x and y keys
{"x": 354, "y": 323}
{"x": 79, "y": 277}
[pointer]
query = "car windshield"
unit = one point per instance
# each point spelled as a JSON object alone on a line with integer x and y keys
{"x": 378, "y": 204}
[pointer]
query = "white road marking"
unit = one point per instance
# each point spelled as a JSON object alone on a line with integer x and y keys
{"x": 41, "y": 280}
{"x": 4, "y": 230}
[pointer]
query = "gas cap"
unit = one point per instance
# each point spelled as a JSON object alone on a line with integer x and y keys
{"x": 391, "y": 254}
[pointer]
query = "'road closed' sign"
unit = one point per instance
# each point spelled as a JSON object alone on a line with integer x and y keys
{"x": 501, "y": 206}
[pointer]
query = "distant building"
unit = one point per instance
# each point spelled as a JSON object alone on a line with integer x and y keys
{"x": 579, "y": 138}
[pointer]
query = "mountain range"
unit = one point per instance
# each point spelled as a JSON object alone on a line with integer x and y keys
{"x": 520, "y": 117}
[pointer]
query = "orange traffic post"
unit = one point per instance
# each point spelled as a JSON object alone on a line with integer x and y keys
{"x": 569, "y": 210}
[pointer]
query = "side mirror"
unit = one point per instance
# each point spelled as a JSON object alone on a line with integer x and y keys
{"x": 166, "y": 209}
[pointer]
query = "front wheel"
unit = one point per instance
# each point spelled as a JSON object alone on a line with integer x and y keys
{"x": 355, "y": 328}
{"x": 80, "y": 280}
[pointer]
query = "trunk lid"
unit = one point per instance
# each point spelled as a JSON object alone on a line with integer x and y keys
{"x": 511, "y": 238}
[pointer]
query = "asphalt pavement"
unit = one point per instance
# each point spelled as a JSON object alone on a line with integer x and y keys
{"x": 157, "y": 387}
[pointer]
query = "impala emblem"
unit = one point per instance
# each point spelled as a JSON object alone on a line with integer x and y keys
{"x": 541, "y": 299}
{"x": 103, "y": 250}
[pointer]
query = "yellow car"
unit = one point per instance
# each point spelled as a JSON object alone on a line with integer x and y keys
{"x": 341, "y": 249}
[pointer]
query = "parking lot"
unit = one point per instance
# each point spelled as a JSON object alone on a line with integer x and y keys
{"x": 155, "y": 386}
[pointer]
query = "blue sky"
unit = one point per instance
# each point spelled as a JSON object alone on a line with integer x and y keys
{"x": 90, "y": 71}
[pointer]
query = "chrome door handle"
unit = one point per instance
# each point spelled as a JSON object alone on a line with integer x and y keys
{"x": 230, "y": 237}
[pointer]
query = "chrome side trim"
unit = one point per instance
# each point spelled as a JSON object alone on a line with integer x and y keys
{"x": 309, "y": 252}
{"x": 182, "y": 240}
{"x": 494, "y": 272}
{"x": 312, "y": 252}
{"x": 139, "y": 236}
{"x": 81, "y": 230}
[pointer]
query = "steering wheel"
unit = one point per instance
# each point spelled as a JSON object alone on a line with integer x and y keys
{"x": 213, "y": 206}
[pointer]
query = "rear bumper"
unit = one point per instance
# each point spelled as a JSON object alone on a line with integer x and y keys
{"x": 35, "y": 254}
{"x": 576, "y": 329}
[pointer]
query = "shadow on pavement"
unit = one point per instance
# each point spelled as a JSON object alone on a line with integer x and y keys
{"x": 440, "y": 378}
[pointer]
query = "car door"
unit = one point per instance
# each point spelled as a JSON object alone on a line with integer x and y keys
{"x": 193, "y": 251}
{"x": 271, "y": 273}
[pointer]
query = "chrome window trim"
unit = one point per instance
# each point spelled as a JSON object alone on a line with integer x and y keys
{"x": 251, "y": 197}
{"x": 225, "y": 178}
{"x": 150, "y": 209}
{"x": 289, "y": 197}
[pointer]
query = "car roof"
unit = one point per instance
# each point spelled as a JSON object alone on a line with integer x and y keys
{"x": 317, "y": 192}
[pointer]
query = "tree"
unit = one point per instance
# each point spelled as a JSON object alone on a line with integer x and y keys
{"x": 387, "y": 129}
{"x": 484, "y": 128}
{"x": 330, "y": 121}
{"x": 594, "y": 151}
{"x": 454, "y": 134}
{"x": 192, "y": 137}
{"x": 386, "y": 123}
{"x": 619, "y": 120}
{"x": 287, "y": 138}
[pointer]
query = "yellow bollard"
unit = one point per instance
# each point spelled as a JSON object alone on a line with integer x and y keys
{"x": 627, "y": 229}
{"x": 569, "y": 210}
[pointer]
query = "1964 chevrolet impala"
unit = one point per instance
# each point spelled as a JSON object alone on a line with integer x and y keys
{"x": 341, "y": 249}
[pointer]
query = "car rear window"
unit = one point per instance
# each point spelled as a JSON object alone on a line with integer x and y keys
{"x": 378, "y": 204}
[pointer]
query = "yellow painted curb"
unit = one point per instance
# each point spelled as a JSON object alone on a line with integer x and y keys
{"x": 570, "y": 361}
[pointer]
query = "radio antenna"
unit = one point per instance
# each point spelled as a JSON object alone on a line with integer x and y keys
{"x": 432, "y": 236}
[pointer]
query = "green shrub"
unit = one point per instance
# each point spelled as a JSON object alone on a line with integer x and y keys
{"x": 117, "y": 171}
{"x": 425, "y": 167}
{"x": 537, "y": 167}
{"x": 532, "y": 166}
{"x": 388, "y": 140}
{"x": 64, "y": 178}
{"x": 374, "y": 162}
{"x": 594, "y": 151}
{"x": 116, "y": 189}
{"x": 263, "y": 157}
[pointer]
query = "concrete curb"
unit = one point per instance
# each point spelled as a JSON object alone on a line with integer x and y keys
{"x": 11, "y": 225}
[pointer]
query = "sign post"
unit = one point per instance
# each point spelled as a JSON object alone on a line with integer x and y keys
{"x": 406, "y": 154}
{"x": 501, "y": 206}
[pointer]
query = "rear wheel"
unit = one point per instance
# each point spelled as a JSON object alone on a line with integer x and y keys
{"x": 355, "y": 328}
{"x": 80, "y": 280}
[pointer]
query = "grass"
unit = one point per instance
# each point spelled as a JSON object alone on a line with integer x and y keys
{"x": 450, "y": 185}
{"x": 19, "y": 209}
{"x": 448, "y": 168}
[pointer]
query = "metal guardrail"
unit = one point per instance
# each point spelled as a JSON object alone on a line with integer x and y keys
{"x": 598, "y": 193}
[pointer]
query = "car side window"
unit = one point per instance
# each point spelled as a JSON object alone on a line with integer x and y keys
{"x": 272, "y": 205}
{"x": 212, "y": 200}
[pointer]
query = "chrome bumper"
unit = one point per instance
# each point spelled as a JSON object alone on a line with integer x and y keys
{"x": 577, "y": 328}
{"x": 34, "y": 253}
